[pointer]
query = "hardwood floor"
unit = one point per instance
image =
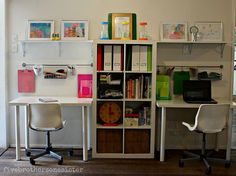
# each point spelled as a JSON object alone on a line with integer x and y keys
{"x": 75, "y": 166}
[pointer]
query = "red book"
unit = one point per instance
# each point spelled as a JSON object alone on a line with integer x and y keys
{"x": 99, "y": 57}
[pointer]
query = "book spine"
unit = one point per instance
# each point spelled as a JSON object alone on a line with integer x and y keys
{"x": 143, "y": 58}
{"x": 149, "y": 58}
{"x": 99, "y": 58}
{"x": 107, "y": 57}
{"x": 135, "y": 58}
{"x": 117, "y": 58}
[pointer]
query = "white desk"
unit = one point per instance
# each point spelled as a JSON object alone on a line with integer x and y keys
{"x": 177, "y": 102}
{"x": 64, "y": 101}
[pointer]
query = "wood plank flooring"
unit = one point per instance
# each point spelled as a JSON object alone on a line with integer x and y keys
{"x": 120, "y": 167}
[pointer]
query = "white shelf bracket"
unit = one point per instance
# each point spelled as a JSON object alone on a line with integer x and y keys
{"x": 222, "y": 46}
{"x": 23, "y": 48}
{"x": 59, "y": 49}
{"x": 187, "y": 48}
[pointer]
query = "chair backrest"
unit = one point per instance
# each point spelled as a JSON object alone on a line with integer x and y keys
{"x": 45, "y": 117}
{"x": 212, "y": 118}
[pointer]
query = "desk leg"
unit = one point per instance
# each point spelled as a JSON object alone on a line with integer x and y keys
{"x": 163, "y": 133}
{"x": 88, "y": 130}
{"x": 229, "y": 135}
{"x": 26, "y": 128}
{"x": 85, "y": 132}
{"x": 17, "y": 132}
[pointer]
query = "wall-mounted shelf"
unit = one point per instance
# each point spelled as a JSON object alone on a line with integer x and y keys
{"x": 59, "y": 43}
{"x": 188, "y": 45}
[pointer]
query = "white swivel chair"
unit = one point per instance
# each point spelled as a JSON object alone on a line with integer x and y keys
{"x": 210, "y": 118}
{"x": 46, "y": 117}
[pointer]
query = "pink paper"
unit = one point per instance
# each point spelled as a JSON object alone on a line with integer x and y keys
{"x": 85, "y": 85}
{"x": 26, "y": 81}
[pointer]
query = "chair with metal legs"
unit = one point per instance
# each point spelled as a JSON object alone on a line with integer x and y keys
{"x": 210, "y": 118}
{"x": 46, "y": 117}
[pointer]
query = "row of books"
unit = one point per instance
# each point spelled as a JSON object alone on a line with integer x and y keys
{"x": 142, "y": 117}
{"x": 139, "y": 87}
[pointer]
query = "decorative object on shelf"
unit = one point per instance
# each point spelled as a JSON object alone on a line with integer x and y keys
{"x": 210, "y": 31}
{"x": 74, "y": 30}
{"x": 26, "y": 81}
{"x": 174, "y": 31}
{"x": 110, "y": 113}
{"x": 40, "y": 30}
{"x": 194, "y": 33}
{"x": 115, "y": 25}
{"x": 85, "y": 84}
{"x": 53, "y": 72}
{"x": 55, "y": 36}
{"x": 104, "y": 31}
{"x": 143, "y": 31}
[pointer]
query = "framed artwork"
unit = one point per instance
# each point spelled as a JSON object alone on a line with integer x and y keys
{"x": 118, "y": 20}
{"x": 210, "y": 31}
{"x": 40, "y": 30}
{"x": 74, "y": 30}
{"x": 85, "y": 85}
{"x": 174, "y": 31}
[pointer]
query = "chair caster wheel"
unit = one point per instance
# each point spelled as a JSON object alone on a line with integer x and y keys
{"x": 208, "y": 171}
{"x": 60, "y": 161}
{"x": 32, "y": 161}
{"x": 227, "y": 164}
{"x": 71, "y": 153}
{"x": 181, "y": 163}
{"x": 27, "y": 153}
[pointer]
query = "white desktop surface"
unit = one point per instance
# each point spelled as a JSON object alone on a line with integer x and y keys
{"x": 178, "y": 102}
{"x": 64, "y": 101}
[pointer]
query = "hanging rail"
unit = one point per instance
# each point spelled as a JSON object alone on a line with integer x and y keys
{"x": 58, "y": 65}
{"x": 198, "y": 66}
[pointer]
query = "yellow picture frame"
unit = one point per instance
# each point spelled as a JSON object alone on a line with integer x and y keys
{"x": 117, "y": 19}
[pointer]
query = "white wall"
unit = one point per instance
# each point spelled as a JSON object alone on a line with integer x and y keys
{"x": 3, "y": 83}
{"x": 152, "y": 11}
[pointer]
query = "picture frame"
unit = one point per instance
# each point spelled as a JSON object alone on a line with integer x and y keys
{"x": 40, "y": 30}
{"x": 211, "y": 31}
{"x": 85, "y": 85}
{"x": 174, "y": 31}
{"x": 117, "y": 19}
{"x": 74, "y": 30}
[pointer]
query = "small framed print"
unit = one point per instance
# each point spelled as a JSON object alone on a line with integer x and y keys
{"x": 210, "y": 31}
{"x": 40, "y": 30}
{"x": 117, "y": 26}
{"x": 74, "y": 30}
{"x": 174, "y": 31}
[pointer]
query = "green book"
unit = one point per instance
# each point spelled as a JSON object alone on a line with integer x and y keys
{"x": 149, "y": 58}
{"x": 134, "y": 25}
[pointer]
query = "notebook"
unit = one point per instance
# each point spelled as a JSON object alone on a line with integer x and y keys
{"x": 197, "y": 91}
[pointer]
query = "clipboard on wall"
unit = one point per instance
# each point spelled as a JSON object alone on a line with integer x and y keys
{"x": 26, "y": 81}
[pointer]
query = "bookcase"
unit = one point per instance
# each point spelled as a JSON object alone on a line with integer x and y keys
{"x": 124, "y": 99}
